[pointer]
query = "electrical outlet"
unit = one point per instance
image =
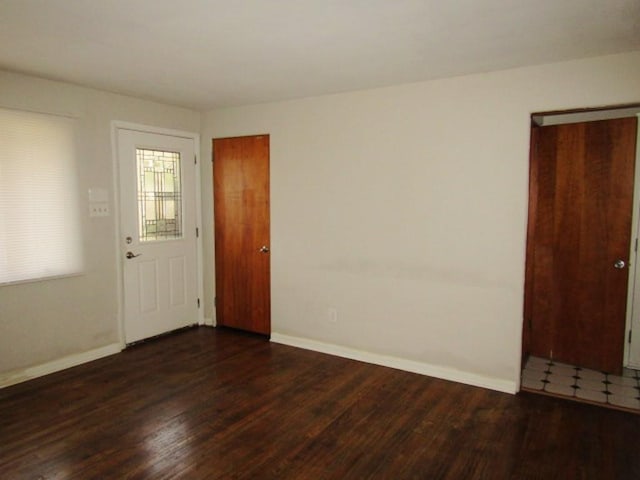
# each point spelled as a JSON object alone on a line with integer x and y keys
{"x": 333, "y": 315}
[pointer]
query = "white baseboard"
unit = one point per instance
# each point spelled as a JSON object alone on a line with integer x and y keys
{"x": 399, "y": 363}
{"x": 208, "y": 322}
{"x": 29, "y": 373}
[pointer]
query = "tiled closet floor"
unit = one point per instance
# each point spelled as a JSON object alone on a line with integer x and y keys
{"x": 559, "y": 379}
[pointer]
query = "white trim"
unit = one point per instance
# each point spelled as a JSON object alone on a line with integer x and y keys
{"x": 43, "y": 279}
{"x": 208, "y": 322}
{"x": 138, "y": 127}
{"x": 632, "y": 349}
{"x": 121, "y": 125}
{"x": 199, "y": 247}
{"x": 24, "y": 374}
{"x": 444, "y": 373}
{"x": 115, "y": 126}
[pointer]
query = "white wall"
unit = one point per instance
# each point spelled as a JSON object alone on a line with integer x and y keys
{"x": 405, "y": 208}
{"x": 45, "y": 321}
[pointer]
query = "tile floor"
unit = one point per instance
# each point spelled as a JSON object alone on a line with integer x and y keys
{"x": 544, "y": 375}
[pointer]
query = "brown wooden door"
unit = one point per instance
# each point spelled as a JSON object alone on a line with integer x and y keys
{"x": 580, "y": 206}
{"x": 241, "y": 210}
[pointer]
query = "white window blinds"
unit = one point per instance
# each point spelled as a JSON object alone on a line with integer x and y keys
{"x": 40, "y": 233}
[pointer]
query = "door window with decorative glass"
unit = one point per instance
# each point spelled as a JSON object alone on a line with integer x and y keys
{"x": 159, "y": 195}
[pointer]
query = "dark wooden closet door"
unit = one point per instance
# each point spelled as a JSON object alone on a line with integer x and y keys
{"x": 241, "y": 210}
{"x": 581, "y": 195}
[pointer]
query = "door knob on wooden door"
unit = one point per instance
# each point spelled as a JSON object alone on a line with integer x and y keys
{"x": 619, "y": 264}
{"x": 264, "y": 249}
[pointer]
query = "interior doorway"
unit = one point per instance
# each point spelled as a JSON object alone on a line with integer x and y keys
{"x": 242, "y": 233}
{"x": 579, "y": 253}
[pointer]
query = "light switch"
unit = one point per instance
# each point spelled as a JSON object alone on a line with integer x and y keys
{"x": 99, "y": 209}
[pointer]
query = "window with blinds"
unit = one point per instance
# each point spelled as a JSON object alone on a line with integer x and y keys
{"x": 40, "y": 233}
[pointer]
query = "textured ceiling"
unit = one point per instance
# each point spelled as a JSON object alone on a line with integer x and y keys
{"x": 210, "y": 53}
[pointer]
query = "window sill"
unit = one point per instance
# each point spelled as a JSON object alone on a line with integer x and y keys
{"x": 41, "y": 279}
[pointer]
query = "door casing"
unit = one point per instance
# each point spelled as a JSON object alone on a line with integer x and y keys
{"x": 242, "y": 231}
{"x": 530, "y": 232}
{"x": 632, "y": 342}
{"x": 117, "y": 125}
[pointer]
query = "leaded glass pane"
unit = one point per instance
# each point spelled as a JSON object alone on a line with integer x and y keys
{"x": 159, "y": 195}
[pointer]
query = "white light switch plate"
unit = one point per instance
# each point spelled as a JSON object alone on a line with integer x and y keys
{"x": 99, "y": 209}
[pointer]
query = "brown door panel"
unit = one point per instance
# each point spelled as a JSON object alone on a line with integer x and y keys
{"x": 581, "y": 194}
{"x": 241, "y": 211}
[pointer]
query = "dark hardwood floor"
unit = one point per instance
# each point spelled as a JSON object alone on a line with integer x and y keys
{"x": 217, "y": 404}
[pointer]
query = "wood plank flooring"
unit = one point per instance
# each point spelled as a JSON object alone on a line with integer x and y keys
{"x": 217, "y": 404}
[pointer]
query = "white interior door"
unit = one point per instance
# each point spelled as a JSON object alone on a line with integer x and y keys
{"x": 158, "y": 230}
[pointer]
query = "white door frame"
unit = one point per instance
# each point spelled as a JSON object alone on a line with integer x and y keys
{"x": 117, "y": 125}
{"x": 632, "y": 348}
